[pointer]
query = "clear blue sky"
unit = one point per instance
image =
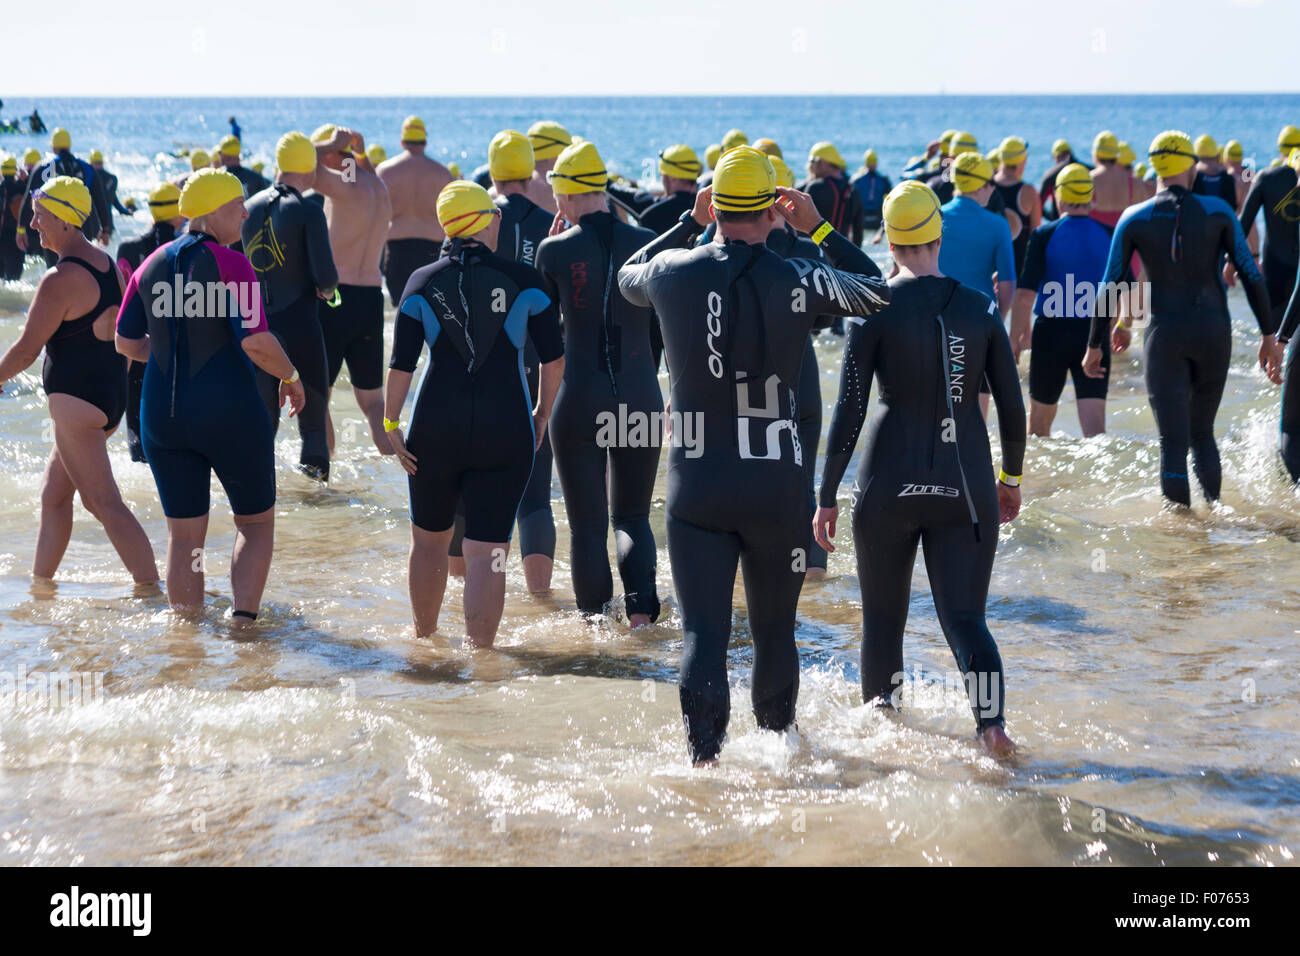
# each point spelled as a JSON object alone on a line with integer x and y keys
{"x": 599, "y": 47}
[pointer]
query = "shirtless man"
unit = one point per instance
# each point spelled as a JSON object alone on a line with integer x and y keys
{"x": 358, "y": 212}
{"x": 549, "y": 139}
{"x": 1112, "y": 184}
{"x": 414, "y": 182}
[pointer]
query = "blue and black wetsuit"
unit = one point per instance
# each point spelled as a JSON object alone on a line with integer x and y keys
{"x": 1276, "y": 192}
{"x": 610, "y": 378}
{"x": 735, "y": 320}
{"x": 286, "y": 239}
{"x": 201, "y": 411}
{"x": 78, "y": 362}
{"x": 130, "y": 254}
{"x": 472, "y": 428}
{"x": 1180, "y": 237}
{"x": 926, "y": 473}
{"x": 1064, "y": 263}
{"x": 1219, "y": 184}
{"x": 872, "y": 189}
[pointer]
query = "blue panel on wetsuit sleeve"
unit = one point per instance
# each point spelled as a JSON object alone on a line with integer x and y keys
{"x": 417, "y": 307}
{"x": 529, "y": 302}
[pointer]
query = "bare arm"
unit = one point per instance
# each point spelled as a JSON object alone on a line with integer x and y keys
{"x": 1022, "y": 308}
{"x": 135, "y": 349}
{"x": 1005, "y": 293}
{"x": 48, "y": 310}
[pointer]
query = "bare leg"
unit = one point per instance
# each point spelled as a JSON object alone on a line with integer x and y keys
{"x": 427, "y": 577}
{"x": 1092, "y": 416}
{"x": 185, "y": 562}
{"x": 537, "y": 573}
{"x": 55, "y": 529}
{"x": 1041, "y": 417}
{"x": 371, "y": 403}
{"x": 456, "y": 566}
{"x": 984, "y": 404}
{"x": 329, "y": 427}
{"x": 250, "y": 563}
{"x": 485, "y": 589}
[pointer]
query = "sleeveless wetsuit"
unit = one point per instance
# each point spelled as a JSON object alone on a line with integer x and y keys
{"x": 1064, "y": 263}
{"x": 1010, "y": 195}
{"x": 926, "y": 474}
{"x": 286, "y": 239}
{"x": 80, "y": 364}
{"x": 607, "y": 417}
{"x": 735, "y": 318}
{"x": 201, "y": 411}
{"x": 130, "y": 254}
{"x": 472, "y": 428}
{"x": 1180, "y": 237}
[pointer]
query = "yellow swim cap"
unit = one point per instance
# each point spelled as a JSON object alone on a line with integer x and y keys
{"x": 1205, "y": 147}
{"x": 1288, "y": 140}
{"x": 1140, "y": 170}
{"x": 784, "y": 174}
{"x": 375, "y": 153}
{"x": 31, "y": 157}
{"x": 464, "y": 208}
{"x": 198, "y": 159}
{"x": 60, "y": 139}
{"x": 828, "y": 153}
{"x": 454, "y": 169}
{"x": 548, "y": 139}
{"x": 295, "y": 153}
{"x": 413, "y": 130}
{"x": 768, "y": 146}
{"x": 323, "y": 133}
{"x": 1013, "y": 151}
{"x": 712, "y": 154}
{"x": 1106, "y": 145}
{"x": 912, "y": 215}
{"x": 208, "y": 190}
{"x": 1126, "y": 154}
{"x": 994, "y": 155}
{"x": 745, "y": 181}
{"x": 1061, "y": 146}
{"x": 970, "y": 172}
{"x": 945, "y": 138}
{"x": 1232, "y": 152}
{"x": 732, "y": 139}
{"x": 230, "y": 145}
{"x": 962, "y": 143}
{"x": 869, "y": 159}
{"x": 680, "y": 162}
{"x": 66, "y": 198}
{"x": 95, "y": 157}
{"x": 9, "y": 167}
{"x": 258, "y": 166}
{"x": 579, "y": 169}
{"x": 1276, "y": 161}
{"x": 510, "y": 156}
{"x": 1074, "y": 185}
{"x": 1171, "y": 153}
{"x": 164, "y": 202}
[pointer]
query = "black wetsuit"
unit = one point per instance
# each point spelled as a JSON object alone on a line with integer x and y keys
{"x": 926, "y": 473}
{"x": 401, "y": 258}
{"x": 130, "y": 254}
{"x": 607, "y": 416}
{"x": 1047, "y": 189}
{"x": 1180, "y": 237}
{"x": 78, "y": 362}
{"x": 482, "y": 176}
{"x": 1010, "y": 196}
{"x": 941, "y": 183}
{"x": 1275, "y": 190}
{"x": 252, "y": 181}
{"x": 1221, "y": 184}
{"x": 839, "y": 203}
{"x": 872, "y": 189}
{"x": 1290, "y": 423}
{"x": 663, "y": 214}
{"x": 11, "y": 257}
{"x": 735, "y": 318}
{"x": 472, "y": 428}
{"x": 65, "y": 164}
{"x": 110, "y": 190}
{"x": 287, "y": 241}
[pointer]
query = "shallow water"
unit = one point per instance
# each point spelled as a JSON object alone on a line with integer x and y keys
{"x": 1151, "y": 664}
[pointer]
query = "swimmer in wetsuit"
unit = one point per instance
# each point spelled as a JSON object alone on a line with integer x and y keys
{"x": 1276, "y": 191}
{"x": 201, "y": 410}
{"x": 227, "y": 155}
{"x": 164, "y": 206}
{"x": 1063, "y": 268}
{"x": 940, "y": 181}
{"x": 474, "y": 429}
{"x": 1290, "y": 420}
{"x": 71, "y": 317}
{"x": 1211, "y": 178}
{"x": 679, "y": 169}
{"x": 1062, "y": 156}
{"x": 735, "y": 316}
{"x": 1188, "y": 343}
{"x": 605, "y": 428}
{"x": 926, "y": 474}
{"x": 414, "y": 182}
{"x": 11, "y": 201}
{"x": 836, "y": 198}
{"x": 287, "y": 241}
{"x": 98, "y": 225}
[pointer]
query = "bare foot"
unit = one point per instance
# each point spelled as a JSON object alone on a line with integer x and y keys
{"x": 639, "y": 620}
{"x": 815, "y": 574}
{"x": 996, "y": 742}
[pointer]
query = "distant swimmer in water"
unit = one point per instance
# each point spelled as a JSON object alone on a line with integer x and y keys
{"x": 926, "y": 476}
{"x": 1180, "y": 237}
{"x": 287, "y": 242}
{"x": 164, "y": 207}
{"x": 71, "y": 317}
{"x": 1058, "y": 286}
{"x": 605, "y": 428}
{"x": 235, "y": 131}
{"x": 1020, "y": 200}
{"x": 548, "y": 139}
{"x": 358, "y": 212}
{"x": 473, "y": 310}
{"x": 1211, "y": 178}
{"x": 735, "y": 317}
{"x": 96, "y": 159}
{"x": 414, "y": 182}
{"x": 201, "y": 409}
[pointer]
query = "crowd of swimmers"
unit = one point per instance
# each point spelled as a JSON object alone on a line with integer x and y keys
{"x": 549, "y": 292}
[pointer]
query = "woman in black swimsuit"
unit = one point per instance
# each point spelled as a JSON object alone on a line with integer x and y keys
{"x": 73, "y": 310}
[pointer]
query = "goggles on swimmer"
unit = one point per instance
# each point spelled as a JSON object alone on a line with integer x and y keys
{"x": 730, "y": 203}
{"x": 692, "y": 170}
{"x": 548, "y": 141}
{"x": 597, "y": 179}
{"x": 449, "y": 226}
{"x": 42, "y": 196}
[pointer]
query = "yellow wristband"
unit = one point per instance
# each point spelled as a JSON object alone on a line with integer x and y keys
{"x": 1011, "y": 481}
{"x": 391, "y": 426}
{"x": 21, "y": 231}
{"x": 822, "y": 231}
{"x": 293, "y": 378}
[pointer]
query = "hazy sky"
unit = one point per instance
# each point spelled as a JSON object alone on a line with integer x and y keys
{"x": 496, "y": 47}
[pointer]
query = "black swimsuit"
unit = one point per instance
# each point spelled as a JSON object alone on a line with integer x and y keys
{"x": 80, "y": 364}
